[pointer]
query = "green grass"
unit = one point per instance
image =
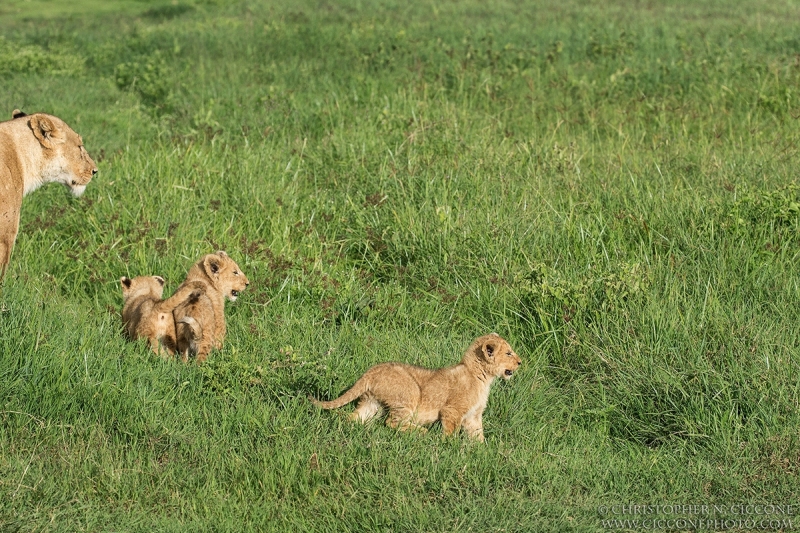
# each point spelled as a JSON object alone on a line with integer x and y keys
{"x": 612, "y": 188}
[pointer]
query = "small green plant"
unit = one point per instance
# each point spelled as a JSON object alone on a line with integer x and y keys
{"x": 33, "y": 59}
{"x": 148, "y": 77}
{"x": 779, "y": 207}
{"x": 231, "y": 376}
{"x": 554, "y": 299}
{"x": 608, "y": 46}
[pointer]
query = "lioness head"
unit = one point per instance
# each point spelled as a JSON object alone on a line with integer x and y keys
{"x": 495, "y": 355}
{"x": 68, "y": 162}
{"x": 150, "y": 286}
{"x": 225, "y": 274}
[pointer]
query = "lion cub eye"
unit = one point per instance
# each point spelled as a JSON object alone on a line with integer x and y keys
{"x": 508, "y": 354}
{"x": 235, "y": 272}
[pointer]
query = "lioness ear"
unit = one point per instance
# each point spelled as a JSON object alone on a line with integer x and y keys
{"x": 160, "y": 280}
{"x": 18, "y": 114}
{"x": 44, "y": 130}
{"x": 125, "y": 282}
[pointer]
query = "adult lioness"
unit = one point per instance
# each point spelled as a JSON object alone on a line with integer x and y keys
{"x": 34, "y": 150}
{"x": 417, "y": 396}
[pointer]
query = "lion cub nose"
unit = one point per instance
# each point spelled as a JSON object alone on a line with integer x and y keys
{"x": 94, "y": 171}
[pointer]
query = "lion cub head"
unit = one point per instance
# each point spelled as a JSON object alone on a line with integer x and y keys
{"x": 494, "y": 355}
{"x": 150, "y": 286}
{"x": 225, "y": 274}
{"x": 68, "y": 162}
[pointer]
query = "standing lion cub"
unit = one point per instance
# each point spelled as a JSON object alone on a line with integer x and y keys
{"x": 418, "y": 396}
{"x": 34, "y": 150}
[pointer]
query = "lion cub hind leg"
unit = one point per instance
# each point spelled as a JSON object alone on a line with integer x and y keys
{"x": 389, "y": 385}
{"x": 404, "y": 419}
{"x": 160, "y": 332}
{"x": 368, "y": 408}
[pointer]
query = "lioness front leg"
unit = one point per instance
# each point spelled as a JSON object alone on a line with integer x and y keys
{"x": 181, "y": 295}
{"x": 5, "y": 256}
{"x": 219, "y": 327}
{"x": 9, "y": 226}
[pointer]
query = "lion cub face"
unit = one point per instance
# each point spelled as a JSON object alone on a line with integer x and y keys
{"x": 497, "y": 356}
{"x": 69, "y": 162}
{"x": 225, "y": 274}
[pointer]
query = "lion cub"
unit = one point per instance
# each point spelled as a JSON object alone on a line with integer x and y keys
{"x": 200, "y": 321}
{"x": 418, "y": 396}
{"x": 146, "y": 316}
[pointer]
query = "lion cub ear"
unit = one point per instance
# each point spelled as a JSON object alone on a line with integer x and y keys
{"x": 18, "y": 114}
{"x": 211, "y": 265}
{"x": 160, "y": 280}
{"x": 125, "y": 282}
{"x": 488, "y": 349}
{"x": 45, "y": 131}
{"x": 222, "y": 253}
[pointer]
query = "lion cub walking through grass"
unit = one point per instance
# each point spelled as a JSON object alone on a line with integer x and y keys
{"x": 200, "y": 318}
{"x": 146, "y": 316}
{"x": 416, "y": 396}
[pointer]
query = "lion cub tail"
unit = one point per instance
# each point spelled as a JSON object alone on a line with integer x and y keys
{"x": 189, "y": 340}
{"x": 194, "y": 326}
{"x": 355, "y": 391}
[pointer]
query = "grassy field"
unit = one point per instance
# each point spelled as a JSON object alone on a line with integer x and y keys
{"x": 613, "y": 188}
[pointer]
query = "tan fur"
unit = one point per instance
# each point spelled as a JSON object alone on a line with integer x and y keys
{"x": 146, "y": 316}
{"x": 220, "y": 278}
{"x": 194, "y": 326}
{"x": 34, "y": 150}
{"x": 416, "y": 396}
